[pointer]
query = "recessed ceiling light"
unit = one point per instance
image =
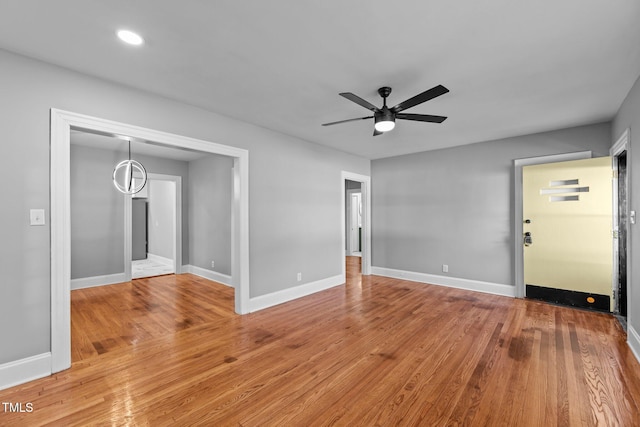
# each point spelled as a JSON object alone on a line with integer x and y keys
{"x": 130, "y": 37}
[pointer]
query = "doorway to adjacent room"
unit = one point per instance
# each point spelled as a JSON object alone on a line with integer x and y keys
{"x": 62, "y": 125}
{"x": 155, "y": 227}
{"x": 356, "y": 219}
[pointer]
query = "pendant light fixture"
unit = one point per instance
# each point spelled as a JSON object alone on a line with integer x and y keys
{"x": 123, "y": 178}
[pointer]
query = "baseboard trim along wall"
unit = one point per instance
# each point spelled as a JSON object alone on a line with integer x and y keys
{"x": 451, "y": 282}
{"x": 286, "y": 295}
{"x": 633, "y": 340}
{"x": 160, "y": 259}
{"x": 25, "y": 370}
{"x": 110, "y": 279}
{"x": 208, "y": 274}
{"x": 90, "y": 282}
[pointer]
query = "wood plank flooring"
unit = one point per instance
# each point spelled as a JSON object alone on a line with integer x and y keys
{"x": 377, "y": 351}
{"x": 110, "y": 317}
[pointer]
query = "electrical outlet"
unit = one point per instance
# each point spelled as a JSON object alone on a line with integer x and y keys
{"x": 213, "y": 264}
{"x": 299, "y": 277}
{"x": 445, "y": 268}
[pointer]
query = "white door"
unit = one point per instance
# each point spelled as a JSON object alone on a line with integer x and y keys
{"x": 567, "y": 225}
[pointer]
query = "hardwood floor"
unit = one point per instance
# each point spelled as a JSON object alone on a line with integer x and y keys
{"x": 377, "y": 351}
{"x": 111, "y": 317}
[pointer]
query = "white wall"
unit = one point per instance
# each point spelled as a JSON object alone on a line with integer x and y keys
{"x": 161, "y": 218}
{"x": 288, "y": 234}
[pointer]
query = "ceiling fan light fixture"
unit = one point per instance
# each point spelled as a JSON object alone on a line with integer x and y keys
{"x": 385, "y": 125}
{"x": 385, "y": 121}
{"x": 130, "y": 37}
{"x": 385, "y": 117}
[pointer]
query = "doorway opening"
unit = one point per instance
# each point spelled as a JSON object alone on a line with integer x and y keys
{"x": 353, "y": 218}
{"x": 567, "y": 220}
{"x": 356, "y": 221}
{"x": 155, "y": 244}
{"x": 620, "y": 216}
{"x": 62, "y": 124}
{"x": 518, "y": 222}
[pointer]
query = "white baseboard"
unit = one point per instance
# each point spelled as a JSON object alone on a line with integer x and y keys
{"x": 160, "y": 259}
{"x": 208, "y": 274}
{"x": 90, "y": 282}
{"x": 633, "y": 340}
{"x": 285, "y": 295}
{"x": 451, "y": 282}
{"x": 24, "y": 370}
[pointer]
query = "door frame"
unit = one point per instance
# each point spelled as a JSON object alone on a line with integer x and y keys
{"x": 177, "y": 227}
{"x": 518, "y": 164}
{"x": 61, "y": 123}
{"x": 621, "y": 145}
{"x": 365, "y": 189}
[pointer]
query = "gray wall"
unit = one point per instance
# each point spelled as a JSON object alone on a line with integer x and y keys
{"x": 629, "y": 117}
{"x": 161, "y": 218}
{"x": 455, "y": 206}
{"x": 97, "y": 214}
{"x": 294, "y": 197}
{"x": 210, "y": 194}
{"x": 97, "y": 209}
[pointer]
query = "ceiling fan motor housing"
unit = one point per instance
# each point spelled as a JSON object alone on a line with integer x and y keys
{"x": 384, "y": 115}
{"x": 384, "y": 91}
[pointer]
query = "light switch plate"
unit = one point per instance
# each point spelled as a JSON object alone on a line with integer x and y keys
{"x": 36, "y": 216}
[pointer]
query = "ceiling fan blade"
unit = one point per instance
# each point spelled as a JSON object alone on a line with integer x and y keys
{"x": 434, "y": 92}
{"x": 348, "y": 120}
{"x": 355, "y": 98}
{"x": 376, "y": 132}
{"x": 421, "y": 117}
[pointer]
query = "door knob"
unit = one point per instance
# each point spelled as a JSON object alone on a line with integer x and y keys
{"x": 527, "y": 239}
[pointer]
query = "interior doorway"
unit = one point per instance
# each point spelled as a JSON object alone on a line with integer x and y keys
{"x": 156, "y": 246}
{"x": 353, "y": 218}
{"x": 350, "y": 185}
{"x": 62, "y": 123}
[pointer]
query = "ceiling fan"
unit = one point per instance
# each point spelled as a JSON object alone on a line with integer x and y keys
{"x": 385, "y": 117}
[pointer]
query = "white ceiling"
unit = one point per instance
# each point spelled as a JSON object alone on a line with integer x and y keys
{"x": 513, "y": 67}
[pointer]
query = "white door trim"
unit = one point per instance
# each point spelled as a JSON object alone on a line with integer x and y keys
{"x": 365, "y": 189}
{"x": 518, "y": 164}
{"x": 61, "y": 124}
